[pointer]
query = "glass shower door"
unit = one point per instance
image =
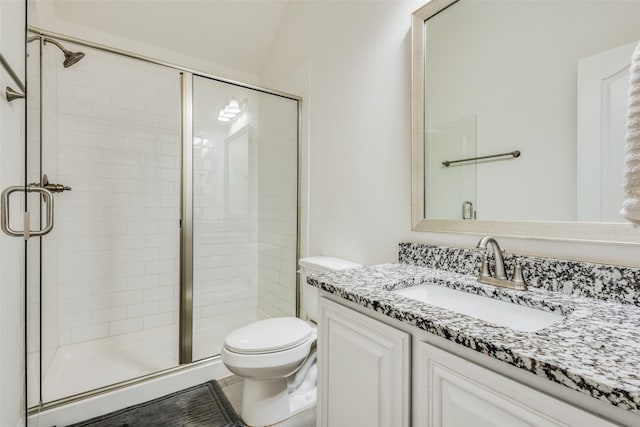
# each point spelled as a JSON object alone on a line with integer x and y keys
{"x": 109, "y": 278}
{"x": 112, "y": 287}
{"x": 450, "y": 191}
{"x": 245, "y": 146}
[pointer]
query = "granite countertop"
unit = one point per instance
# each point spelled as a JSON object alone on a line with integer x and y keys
{"x": 594, "y": 350}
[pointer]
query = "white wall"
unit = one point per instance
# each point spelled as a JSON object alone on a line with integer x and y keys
{"x": 351, "y": 62}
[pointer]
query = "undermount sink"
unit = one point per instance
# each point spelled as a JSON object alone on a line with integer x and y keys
{"x": 498, "y": 312}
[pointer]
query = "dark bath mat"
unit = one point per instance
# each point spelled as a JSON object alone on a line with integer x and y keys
{"x": 204, "y": 405}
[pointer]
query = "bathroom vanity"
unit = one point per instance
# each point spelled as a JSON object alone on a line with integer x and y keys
{"x": 390, "y": 360}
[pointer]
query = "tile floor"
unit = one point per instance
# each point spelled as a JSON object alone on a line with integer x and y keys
{"x": 232, "y": 387}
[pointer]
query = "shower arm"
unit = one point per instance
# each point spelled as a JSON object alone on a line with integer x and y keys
{"x": 45, "y": 40}
{"x": 70, "y": 58}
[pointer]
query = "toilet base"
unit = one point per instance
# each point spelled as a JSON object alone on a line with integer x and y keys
{"x": 268, "y": 402}
{"x": 264, "y": 402}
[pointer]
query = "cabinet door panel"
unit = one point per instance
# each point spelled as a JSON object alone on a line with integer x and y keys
{"x": 460, "y": 402}
{"x": 457, "y": 393}
{"x": 363, "y": 370}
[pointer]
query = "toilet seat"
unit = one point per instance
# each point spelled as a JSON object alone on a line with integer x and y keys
{"x": 269, "y": 336}
{"x": 276, "y": 347}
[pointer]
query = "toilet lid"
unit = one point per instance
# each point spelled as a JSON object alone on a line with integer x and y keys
{"x": 269, "y": 335}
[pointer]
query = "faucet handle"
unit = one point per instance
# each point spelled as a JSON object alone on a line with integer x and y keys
{"x": 484, "y": 272}
{"x": 518, "y": 278}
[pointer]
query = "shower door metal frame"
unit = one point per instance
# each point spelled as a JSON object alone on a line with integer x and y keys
{"x": 186, "y": 215}
{"x": 104, "y": 48}
{"x": 185, "y": 339}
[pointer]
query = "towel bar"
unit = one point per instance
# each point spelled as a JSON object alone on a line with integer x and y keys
{"x": 515, "y": 153}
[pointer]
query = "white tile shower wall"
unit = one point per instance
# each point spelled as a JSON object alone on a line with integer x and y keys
{"x": 115, "y": 139}
{"x": 277, "y": 163}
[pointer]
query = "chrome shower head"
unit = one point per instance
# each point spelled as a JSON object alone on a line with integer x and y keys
{"x": 70, "y": 58}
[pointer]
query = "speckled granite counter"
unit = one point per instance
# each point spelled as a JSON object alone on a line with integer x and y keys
{"x": 595, "y": 350}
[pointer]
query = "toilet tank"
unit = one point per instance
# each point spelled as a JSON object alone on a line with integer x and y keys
{"x": 308, "y": 293}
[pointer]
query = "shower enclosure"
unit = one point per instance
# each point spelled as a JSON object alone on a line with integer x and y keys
{"x": 175, "y": 215}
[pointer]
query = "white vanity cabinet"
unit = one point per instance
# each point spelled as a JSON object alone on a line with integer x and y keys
{"x": 368, "y": 375}
{"x": 453, "y": 392}
{"x": 363, "y": 370}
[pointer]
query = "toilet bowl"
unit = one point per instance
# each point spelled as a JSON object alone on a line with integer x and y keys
{"x": 276, "y": 357}
{"x": 265, "y": 354}
{"x": 271, "y": 348}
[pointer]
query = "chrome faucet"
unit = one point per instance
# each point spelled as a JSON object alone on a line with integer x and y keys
{"x": 499, "y": 277}
{"x": 484, "y": 244}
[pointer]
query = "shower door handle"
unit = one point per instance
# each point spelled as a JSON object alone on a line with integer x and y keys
{"x": 26, "y": 233}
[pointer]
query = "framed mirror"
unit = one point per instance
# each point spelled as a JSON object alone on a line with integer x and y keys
{"x": 518, "y": 117}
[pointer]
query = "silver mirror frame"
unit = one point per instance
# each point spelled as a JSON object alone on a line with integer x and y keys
{"x": 614, "y": 233}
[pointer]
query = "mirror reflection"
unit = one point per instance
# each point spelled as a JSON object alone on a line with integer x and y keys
{"x": 546, "y": 78}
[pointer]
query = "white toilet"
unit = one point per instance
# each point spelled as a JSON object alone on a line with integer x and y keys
{"x": 277, "y": 357}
